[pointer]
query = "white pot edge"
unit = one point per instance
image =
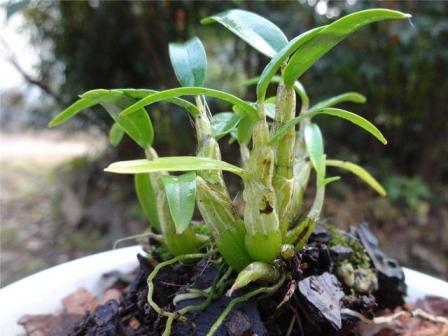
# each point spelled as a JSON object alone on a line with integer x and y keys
{"x": 31, "y": 295}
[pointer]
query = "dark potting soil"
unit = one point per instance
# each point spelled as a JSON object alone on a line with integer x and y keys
{"x": 314, "y": 299}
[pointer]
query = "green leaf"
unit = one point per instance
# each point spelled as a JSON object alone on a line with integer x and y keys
{"x": 274, "y": 65}
{"x": 181, "y": 195}
{"x": 315, "y": 148}
{"x": 360, "y": 172}
{"x": 257, "y": 31}
{"x": 138, "y": 126}
{"x": 355, "y": 119}
{"x": 141, "y": 93}
{"x": 189, "y": 62}
{"x": 352, "y": 117}
{"x": 147, "y": 198}
{"x": 173, "y": 163}
{"x": 353, "y": 97}
{"x": 307, "y": 54}
{"x": 247, "y": 108}
{"x": 245, "y": 128}
{"x": 115, "y": 134}
{"x": 223, "y": 123}
{"x": 77, "y": 107}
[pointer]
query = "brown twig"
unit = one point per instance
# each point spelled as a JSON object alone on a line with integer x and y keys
{"x": 11, "y": 58}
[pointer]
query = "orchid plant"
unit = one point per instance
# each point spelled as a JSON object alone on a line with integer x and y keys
{"x": 280, "y": 144}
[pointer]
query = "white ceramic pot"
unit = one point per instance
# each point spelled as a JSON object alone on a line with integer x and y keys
{"x": 42, "y": 292}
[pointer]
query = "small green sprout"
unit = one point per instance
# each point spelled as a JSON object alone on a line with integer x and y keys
{"x": 276, "y": 155}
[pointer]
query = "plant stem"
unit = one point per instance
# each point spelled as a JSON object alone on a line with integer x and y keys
{"x": 261, "y": 130}
{"x": 302, "y": 170}
{"x": 307, "y": 225}
{"x": 263, "y": 236}
{"x": 213, "y": 199}
{"x": 220, "y": 215}
{"x": 202, "y": 123}
{"x": 284, "y": 153}
{"x": 245, "y": 154}
{"x": 318, "y": 203}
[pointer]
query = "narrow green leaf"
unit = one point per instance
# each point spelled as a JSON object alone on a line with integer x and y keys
{"x": 352, "y": 117}
{"x": 189, "y": 62}
{"x": 353, "y": 97}
{"x": 115, "y": 134}
{"x": 181, "y": 195}
{"x": 360, "y": 172}
{"x": 355, "y": 119}
{"x": 307, "y": 54}
{"x": 189, "y": 91}
{"x": 147, "y": 198}
{"x": 274, "y": 65}
{"x": 223, "y": 123}
{"x": 173, "y": 163}
{"x": 137, "y": 126}
{"x": 315, "y": 148}
{"x": 77, "y": 107}
{"x": 257, "y": 31}
{"x": 329, "y": 180}
{"x": 141, "y": 93}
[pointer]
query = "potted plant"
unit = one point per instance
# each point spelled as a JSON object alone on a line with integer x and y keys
{"x": 264, "y": 243}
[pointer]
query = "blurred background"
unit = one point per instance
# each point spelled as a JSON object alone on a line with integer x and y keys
{"x": 56, "y": 202}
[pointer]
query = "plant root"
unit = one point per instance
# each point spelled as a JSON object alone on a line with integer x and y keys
{"x": 150, "y": 234}
{"x": 298, "y": 319}
{"x": 262, "y": 290}
{"x": 169, "y": 315}
{"x": 291, "y": 326}
{"x": 289, "y": 293}
{"x": 188, "y": 296}
{"x": 389, "y": 319}
{"x": 211, "y": 292}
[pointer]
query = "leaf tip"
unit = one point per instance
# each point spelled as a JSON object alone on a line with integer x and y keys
{"x": 207, "y": 20}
